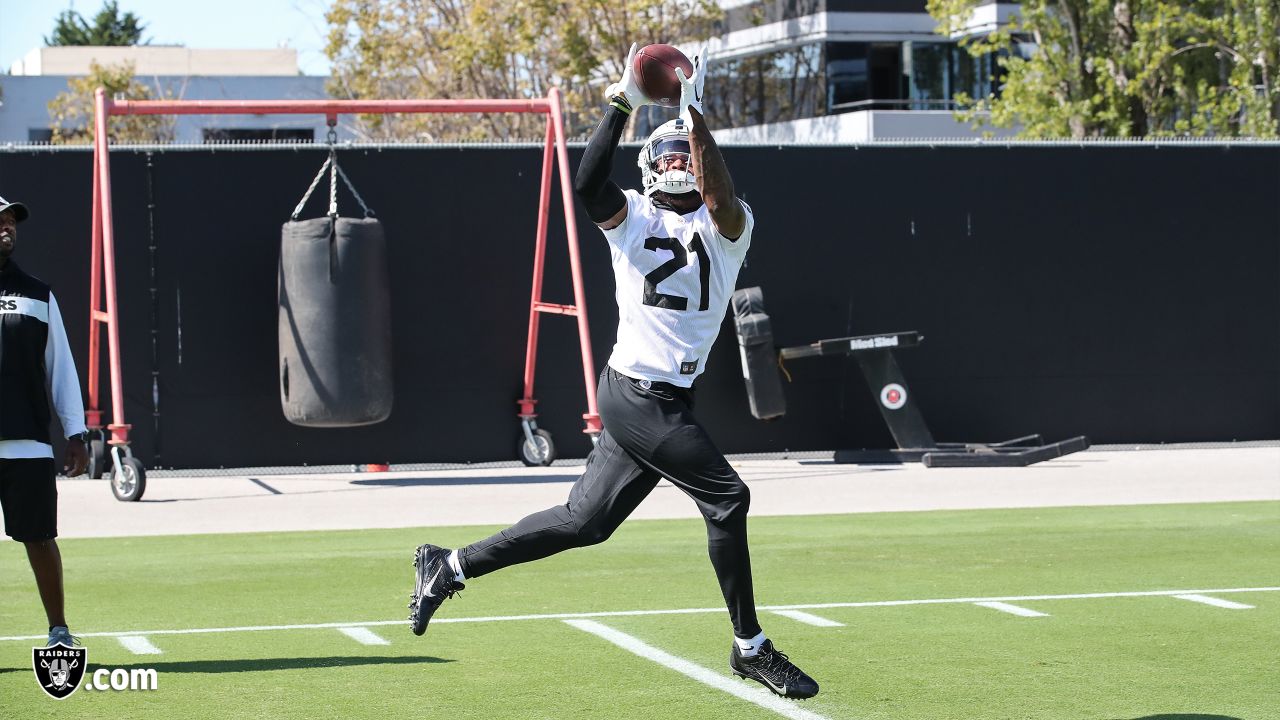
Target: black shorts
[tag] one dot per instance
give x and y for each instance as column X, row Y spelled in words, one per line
column 29, row 498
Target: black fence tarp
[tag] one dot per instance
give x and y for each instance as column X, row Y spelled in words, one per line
column 1130, row 293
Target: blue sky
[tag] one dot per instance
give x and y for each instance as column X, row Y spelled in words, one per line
column 298, row 24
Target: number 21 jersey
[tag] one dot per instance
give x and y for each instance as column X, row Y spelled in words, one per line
column 674, row 275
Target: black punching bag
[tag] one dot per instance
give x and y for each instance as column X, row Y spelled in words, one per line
column 334, row 322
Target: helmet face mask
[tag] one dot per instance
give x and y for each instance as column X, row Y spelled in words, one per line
column 668, row 142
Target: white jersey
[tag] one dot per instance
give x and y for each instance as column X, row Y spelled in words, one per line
column 674, row 276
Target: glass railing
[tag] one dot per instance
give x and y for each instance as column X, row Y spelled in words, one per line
column 893, row 104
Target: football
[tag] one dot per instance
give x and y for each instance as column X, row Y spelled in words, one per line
column 654, row 69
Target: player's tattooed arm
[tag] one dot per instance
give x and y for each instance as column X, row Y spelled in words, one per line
column 714, row 181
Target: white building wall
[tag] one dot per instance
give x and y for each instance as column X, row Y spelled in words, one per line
column 860, row 127
column 26, row 98
column 159, row 60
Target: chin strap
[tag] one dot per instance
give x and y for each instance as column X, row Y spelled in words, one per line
column 659, row 200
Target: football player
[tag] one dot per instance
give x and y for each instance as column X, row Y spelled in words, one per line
column 676, row 249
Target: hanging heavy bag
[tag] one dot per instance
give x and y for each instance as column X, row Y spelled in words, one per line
column 334, row 317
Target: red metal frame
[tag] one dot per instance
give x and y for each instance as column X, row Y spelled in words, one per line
column 102, row 254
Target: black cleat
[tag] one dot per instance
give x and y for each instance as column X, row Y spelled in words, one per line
column 433, row 585
column 773, row 670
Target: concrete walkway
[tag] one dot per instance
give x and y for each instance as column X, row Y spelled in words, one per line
column 229, row 503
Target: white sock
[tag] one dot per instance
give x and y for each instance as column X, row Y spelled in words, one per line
column 750, row 647
column 457, row 567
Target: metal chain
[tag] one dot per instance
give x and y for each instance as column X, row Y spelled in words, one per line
column 367, row 212
column 333, row 182
column 331, row 164
column 298, row 210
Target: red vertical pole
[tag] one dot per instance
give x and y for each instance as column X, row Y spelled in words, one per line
column 592, row 416
column 539, row 261
column 93, row 415
column 119, row 430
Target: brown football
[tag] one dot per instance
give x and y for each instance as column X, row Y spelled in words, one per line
column 654, row 69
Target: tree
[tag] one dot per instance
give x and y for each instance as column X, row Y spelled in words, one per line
column 72, row 112
column 109, row 28
column 1131, row 68
column 1244, row 37
column 450, row 49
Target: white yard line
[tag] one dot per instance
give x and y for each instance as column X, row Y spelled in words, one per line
column 1012, row 609
column 735, row 687
column 681, row 611
column 807, row 618
column 1216, row 602
column 138, row 645
column 363, row 635
column 1020, row 598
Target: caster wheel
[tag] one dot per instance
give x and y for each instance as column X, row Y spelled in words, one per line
column 129, row 481
column 98, row 459
column 541, row 452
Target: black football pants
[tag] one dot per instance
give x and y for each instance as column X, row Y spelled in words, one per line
column 649, row 433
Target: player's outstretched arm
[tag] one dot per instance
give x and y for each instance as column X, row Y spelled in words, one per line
column 605, row 202
column 714, row 182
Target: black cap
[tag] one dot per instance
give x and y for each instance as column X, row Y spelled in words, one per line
column 19, row 210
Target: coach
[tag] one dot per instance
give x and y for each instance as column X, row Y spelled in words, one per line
column 33, row 352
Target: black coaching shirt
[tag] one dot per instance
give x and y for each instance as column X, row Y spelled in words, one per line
column 33, row 352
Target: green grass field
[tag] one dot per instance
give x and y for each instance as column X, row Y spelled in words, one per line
column 1105, row 658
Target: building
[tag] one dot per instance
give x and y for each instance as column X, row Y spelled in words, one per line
column 171, row 72
column 843, row 70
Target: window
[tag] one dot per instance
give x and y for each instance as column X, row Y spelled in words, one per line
column 937, row 71
column 240, row 135
column 846, row 74
column 757, row 89
column 858, row 73
column 40, row 135
column 928, row 74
